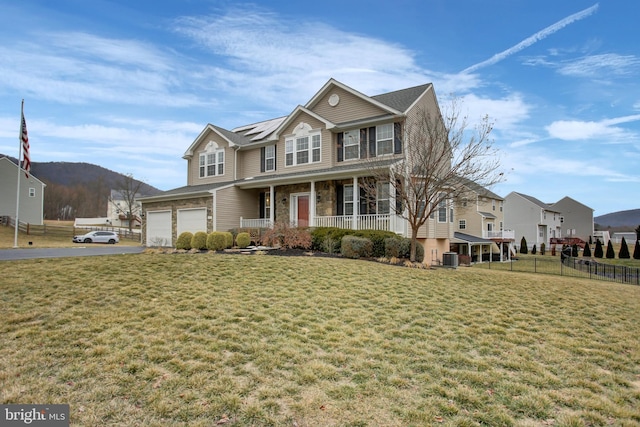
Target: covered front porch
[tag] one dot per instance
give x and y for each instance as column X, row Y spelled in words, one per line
column 337, row 203
column 481, row 249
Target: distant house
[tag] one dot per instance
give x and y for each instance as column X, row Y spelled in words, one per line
column 532, row 219
column 479, row 227
column 117, row 210
column 577, row 219
column 31, row 194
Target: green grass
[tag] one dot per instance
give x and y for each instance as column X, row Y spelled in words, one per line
column 196, row 339
column 57, row 239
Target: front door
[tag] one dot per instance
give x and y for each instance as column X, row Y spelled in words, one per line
column 303, row 211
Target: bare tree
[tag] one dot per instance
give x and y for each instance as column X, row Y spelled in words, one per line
column 442, row 155
column 127, row 192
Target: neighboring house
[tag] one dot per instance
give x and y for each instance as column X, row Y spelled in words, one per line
column 629, row 237
column 577, row 219
column 479, row 225
column 532, row 219
column 304, row 169
column 117, row 210
column 31, row 194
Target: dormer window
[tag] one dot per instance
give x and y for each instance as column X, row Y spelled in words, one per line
column 212, row 161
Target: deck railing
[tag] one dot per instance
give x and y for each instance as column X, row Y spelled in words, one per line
column 500, row 234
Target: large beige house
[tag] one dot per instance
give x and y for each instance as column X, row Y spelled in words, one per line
column 306, row 169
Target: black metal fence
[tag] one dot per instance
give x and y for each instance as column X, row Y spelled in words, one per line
column 570, row 266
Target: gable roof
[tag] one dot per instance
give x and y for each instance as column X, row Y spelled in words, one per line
column 567, row 199
column 478, row 189
column 536, row 202
column 395, row 103
column 31, row 175
column 403, row 99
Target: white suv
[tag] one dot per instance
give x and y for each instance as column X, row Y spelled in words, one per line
column 97, row 237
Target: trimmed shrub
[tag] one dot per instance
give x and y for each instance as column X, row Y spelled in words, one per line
column 610, row 252
column 586, row 252
column 523, row 246
column 543, row 248
column 597, row 252
column 392, row 247
column 377, row 237
column 216, row 241
column 624, row 250
column 356, row 247
column 534, row 250
column 574, row 250
column 243, row 240
column 184, row 240
column 199, row 241
column 328, row 239
column 405, row 249
column 636, row 250
column 228, row 236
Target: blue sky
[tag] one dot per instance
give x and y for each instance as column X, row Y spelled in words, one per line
column 128, row 85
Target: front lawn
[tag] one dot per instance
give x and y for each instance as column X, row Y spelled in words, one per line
column 206, row 339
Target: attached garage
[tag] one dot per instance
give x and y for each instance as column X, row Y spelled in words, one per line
column 192, row 220
column 159, row 228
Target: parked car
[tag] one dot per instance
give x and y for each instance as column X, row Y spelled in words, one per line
column 97, row 237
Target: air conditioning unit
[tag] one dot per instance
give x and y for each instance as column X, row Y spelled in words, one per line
column 450, row 259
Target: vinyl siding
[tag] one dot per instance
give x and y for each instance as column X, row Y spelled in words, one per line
column 325, row 146
column 349, row 108
column 233, row 203
column 193, row 177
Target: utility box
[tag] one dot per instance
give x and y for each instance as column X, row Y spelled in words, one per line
column 450, row 259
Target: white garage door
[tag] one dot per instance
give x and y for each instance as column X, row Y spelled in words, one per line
column 159, row 228
column 192, row 220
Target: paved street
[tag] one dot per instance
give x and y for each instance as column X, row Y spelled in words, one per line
column 82, row 250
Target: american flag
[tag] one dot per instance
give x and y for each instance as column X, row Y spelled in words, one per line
column 24, row 137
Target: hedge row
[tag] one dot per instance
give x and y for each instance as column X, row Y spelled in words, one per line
column 383, row 243
column 214, row 241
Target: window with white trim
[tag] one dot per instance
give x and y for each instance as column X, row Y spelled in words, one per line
column 32, row 192
column 348, row 199
column 352, row 144
column 462, row 224
column 269, row 158
column 382, row 198
column 384, row 139
column 442, row 211
column 211, row 162
column 303, row 146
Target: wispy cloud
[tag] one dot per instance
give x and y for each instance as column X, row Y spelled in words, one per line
column 575, row 130
column 609, row 64
column 533, row 39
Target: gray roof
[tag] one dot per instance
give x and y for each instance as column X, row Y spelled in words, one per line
column 537, row 202
column 402, row 99
column 187, row 190
column 487, row 215
column 480, row 190
column 471, row 239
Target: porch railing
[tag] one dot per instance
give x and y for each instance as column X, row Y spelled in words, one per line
column 255, row 223
column 501, row 234
column 362, row 222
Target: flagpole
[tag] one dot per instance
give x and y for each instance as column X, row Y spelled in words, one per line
column 17, row 223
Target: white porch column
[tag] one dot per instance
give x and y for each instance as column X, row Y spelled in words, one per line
column 356, row 203
column 272, row 204
column 312, row 205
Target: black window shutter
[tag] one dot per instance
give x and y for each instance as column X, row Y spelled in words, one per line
column 275, row 157
column 397, row 140
column 340, row 200
column 339, row 145
column 262, row 159
column 372, row 141
column 262, row 203
column 363, row 143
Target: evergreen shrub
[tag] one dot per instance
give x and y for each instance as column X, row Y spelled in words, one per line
column 184, row 240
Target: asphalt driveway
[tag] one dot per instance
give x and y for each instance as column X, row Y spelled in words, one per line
column 84, row 250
